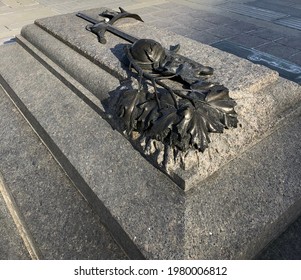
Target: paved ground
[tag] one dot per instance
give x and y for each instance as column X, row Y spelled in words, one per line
column 264, row 31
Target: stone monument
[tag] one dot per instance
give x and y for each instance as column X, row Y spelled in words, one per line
column 179, row 148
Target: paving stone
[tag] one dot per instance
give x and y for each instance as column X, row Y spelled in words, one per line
column 162, row 23
column 11, row 243
column 217, row 19
column 5, row 10
column 3, row 29
column 146, row 10
column 72, row 7
column 205, row 37
column 197, row 24
column 223, row 32
column 248, row 40
column 243, row 26
column 200, row 36
column 278, row 50
column 290, row 22
column 31, row 14
column 293, row 11
column 267, row 34
column 7, row 40
column 148, row 18
column 16, row 26
column 293, row 42
column 180, row 30
column 60, row 220
column 284, row 67
column 296, row 58
column 174, row 7
column 250, row 11
column 52, row 2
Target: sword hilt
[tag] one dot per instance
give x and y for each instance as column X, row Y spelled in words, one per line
column 100, row 27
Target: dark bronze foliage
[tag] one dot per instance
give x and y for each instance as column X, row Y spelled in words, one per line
column 184, row 117
column 182, row 112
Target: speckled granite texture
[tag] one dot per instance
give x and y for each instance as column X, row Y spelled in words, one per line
column 60, row 221
column 259, row 107
column 233, row 214
column 11, row 243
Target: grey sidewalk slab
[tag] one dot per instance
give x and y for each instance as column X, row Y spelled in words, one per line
column 250, row 11
column 292, row 22
column 285, row 68
column 281, row 8
column 59, row 219
column 278, row 50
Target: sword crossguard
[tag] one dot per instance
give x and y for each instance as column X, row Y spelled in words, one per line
column 99, row 29
column 111, row 17
column 114, row 16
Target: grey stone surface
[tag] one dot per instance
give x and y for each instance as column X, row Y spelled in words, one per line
column 293, row 11
column 90, row 75
column 122, row 180
column 243, row 87
column 296, row 58
column 267, row 34
column 170, row 6
column 243, row 78
column 286, row 69
column 293, row 42
column 249, row 40
column 278, row 50
column 261, row 187
column 11, row 243
column 62, row 27
column 231, row 215
column 252, row 128
column 59, row 219
column 286, row 247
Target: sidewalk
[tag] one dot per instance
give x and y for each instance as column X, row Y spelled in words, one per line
column 266, row 32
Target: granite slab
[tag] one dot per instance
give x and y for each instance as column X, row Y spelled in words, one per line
column 233, row 214
column 260, row 107
column 11, row 244
column 61, row 224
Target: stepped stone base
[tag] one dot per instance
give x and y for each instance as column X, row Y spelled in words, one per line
column 12, row 247
column 248, row 200
column 53, row 219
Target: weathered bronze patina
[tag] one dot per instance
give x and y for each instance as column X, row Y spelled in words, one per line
column 180, row 106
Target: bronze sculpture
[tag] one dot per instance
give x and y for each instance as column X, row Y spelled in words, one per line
column 182, row 107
